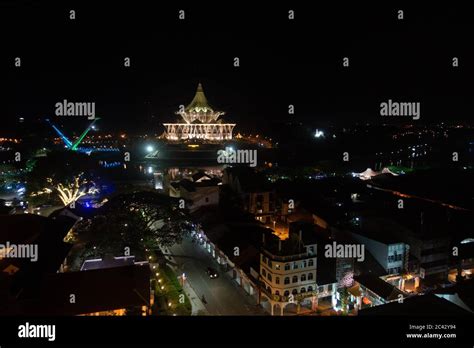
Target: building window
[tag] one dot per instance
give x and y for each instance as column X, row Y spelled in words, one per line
column 277, row 280
column 330, row 287
column 264, row 273
column 310, row 288
column 277, row 293
column 304, row 264
column 311, row 249
column 294, row 292
column 311, row 263
column 207, row 199
column 303, row 277
column 264, row 259
column 270, row 264
column 287, row 280
column 295, row 265
column 286, row 293
column 277, row 266
column 303, row 290
column 321, row 289
column 310, row 276
column 287, row 266
column 269, row 277
column 295, row 279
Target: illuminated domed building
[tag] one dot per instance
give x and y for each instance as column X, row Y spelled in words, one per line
column 199, row 121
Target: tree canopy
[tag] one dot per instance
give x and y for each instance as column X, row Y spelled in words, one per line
column 137, row 221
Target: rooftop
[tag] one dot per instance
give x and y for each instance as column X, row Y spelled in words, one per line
column 108, row 262
column 95, row 290
column 378, row 286
column 191, row 186
column 425, row 305
column 382, row 230
column 294, row 246
column 199, row 102
column 227, row 229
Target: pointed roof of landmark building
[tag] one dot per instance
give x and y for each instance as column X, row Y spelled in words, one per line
column 199, row 102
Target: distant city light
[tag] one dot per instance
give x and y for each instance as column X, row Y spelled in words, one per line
column 318, row 134
column 149, row 148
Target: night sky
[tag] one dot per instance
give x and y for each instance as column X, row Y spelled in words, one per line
column 282, row 62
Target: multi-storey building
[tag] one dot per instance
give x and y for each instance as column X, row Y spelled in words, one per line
column 257, row 197
column 389, row 250
column 288, row 271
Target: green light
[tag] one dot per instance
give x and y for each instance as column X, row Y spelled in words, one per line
column 78, row 141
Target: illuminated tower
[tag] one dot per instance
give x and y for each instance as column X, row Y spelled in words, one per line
column 200, row 122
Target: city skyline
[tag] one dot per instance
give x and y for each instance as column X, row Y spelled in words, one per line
column 305, row 70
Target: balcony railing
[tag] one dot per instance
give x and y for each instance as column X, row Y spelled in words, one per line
column 281, row 298
column 293, row 257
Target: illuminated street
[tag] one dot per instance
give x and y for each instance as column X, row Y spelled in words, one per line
column 223, row 296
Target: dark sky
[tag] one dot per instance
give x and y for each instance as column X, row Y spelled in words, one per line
column 282, row 62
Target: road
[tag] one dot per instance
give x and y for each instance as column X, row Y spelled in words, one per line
column 223, row 295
